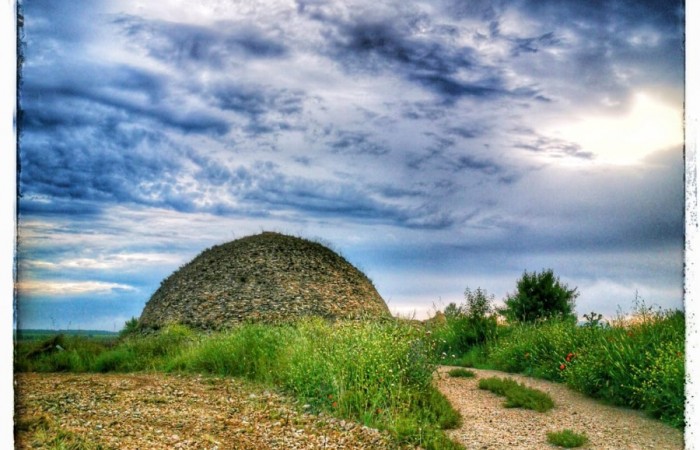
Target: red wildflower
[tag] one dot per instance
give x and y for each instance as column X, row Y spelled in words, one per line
column 335, row 404
column 569, row 357
column 562, row 366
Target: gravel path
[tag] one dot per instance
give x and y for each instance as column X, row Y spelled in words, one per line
column 488, row 425
column 156, row 411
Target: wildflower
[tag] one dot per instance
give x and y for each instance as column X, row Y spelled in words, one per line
column 569, row 357
column 330, row 396
column 379, row 411
column 334, row 404
column 562, row 366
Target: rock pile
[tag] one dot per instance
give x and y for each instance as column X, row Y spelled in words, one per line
column 268, row 277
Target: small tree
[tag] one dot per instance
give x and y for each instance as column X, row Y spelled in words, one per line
column 478, row 309
column 540, row 296
column 477, row 304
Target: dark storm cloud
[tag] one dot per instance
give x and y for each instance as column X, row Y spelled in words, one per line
column 53, row 98
column 469, row 162
column 393, row 44
column 552, row 147
column 98, row 163
column 533, row 45
column 612, row 35
column 58, row 207
column 183, row 44
column 356, row 143
column 256, row 100
column 265, row 109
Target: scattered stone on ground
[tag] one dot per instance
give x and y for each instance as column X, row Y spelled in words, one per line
column 157, row 411
column 489, row 425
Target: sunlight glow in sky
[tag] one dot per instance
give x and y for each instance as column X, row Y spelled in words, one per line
column 437, row 145
column 627, row 138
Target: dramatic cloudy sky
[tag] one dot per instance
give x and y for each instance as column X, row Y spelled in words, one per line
column 437, row 145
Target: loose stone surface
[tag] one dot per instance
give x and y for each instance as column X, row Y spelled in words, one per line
column 156, row 411
column 489, row 425
column 268, row 277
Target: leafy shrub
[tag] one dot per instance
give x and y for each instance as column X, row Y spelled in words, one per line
column 535, row 349
column 540, row 296
column 466, row 325
column 567, row 439
column 517, row 395
column 461, row 373
column 131, row 327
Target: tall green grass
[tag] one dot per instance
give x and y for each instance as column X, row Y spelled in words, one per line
column 379, row 373
column 637, row 363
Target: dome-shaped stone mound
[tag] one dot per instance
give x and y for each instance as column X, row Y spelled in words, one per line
column 268, row 277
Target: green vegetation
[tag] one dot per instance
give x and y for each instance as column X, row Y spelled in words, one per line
column 567, row 439
column 637, row 360
column 517, row 394
column 461, row 373
column 46, row 433
column 540, row 296
column 378, row 373
column 466, row 325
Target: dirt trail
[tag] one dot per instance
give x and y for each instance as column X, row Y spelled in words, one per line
column 157, row 411
column 488, row 425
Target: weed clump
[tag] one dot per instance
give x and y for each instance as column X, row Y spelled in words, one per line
column 517, row 395
column 461, row 373
column 567, row 439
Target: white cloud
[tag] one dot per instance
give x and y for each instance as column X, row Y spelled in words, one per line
column 66, row 288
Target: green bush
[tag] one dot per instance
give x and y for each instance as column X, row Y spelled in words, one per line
column 540, row 296
column 517, row 395
column 466, row 325
column 535, row 349
column 567, row 439
column 131, row 327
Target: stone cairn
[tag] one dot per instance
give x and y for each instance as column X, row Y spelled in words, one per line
column 269, row 277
